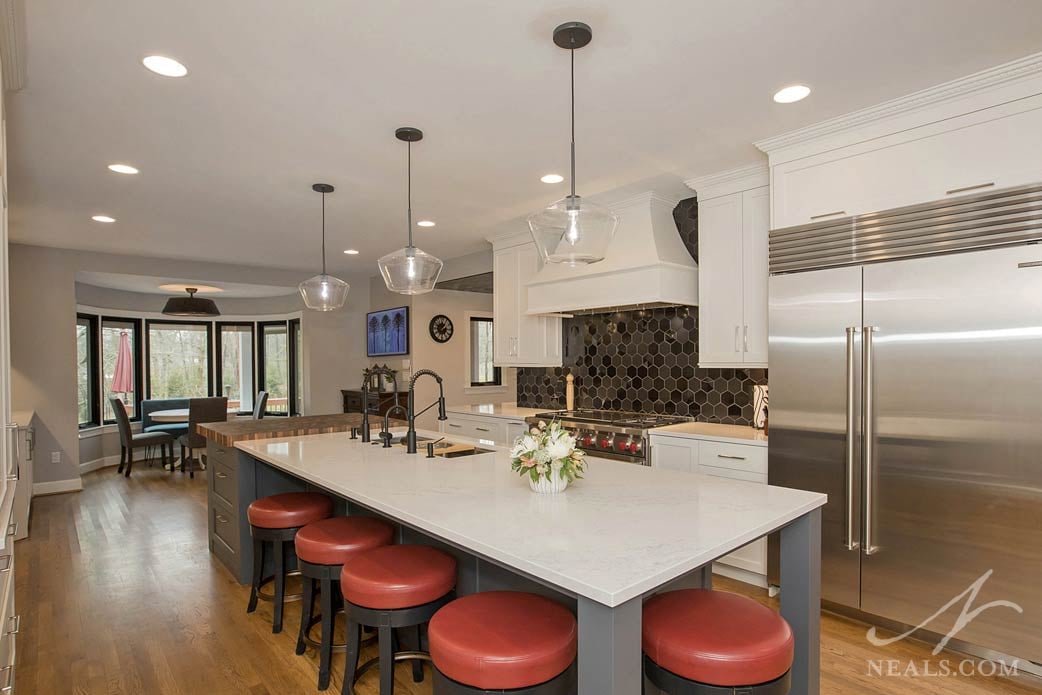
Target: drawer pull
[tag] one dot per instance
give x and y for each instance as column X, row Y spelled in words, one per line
column 221, row 518
column 6, row 566
column 12, row 477
column 9, row 683
column 453, row 424
column 1030, row 264
column 828, row 214
column 730, row 456
column 969, row 188
column 222, row 476
column 482, row 429
column 17, row 620
column 12, row 529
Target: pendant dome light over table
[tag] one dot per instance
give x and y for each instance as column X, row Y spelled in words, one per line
column 324, row 292
column 191, row 305
column 410, row 270
column 573, row 231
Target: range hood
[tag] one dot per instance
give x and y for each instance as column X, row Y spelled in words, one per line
column 647, row 265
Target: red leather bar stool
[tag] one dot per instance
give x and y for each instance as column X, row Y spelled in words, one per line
column 323, row 548
column 392, row 588
column 275, row 520
column 503, row 642
column 703, row 642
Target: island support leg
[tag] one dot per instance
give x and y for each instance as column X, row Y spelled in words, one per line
column 801, row 598
column 609, row 648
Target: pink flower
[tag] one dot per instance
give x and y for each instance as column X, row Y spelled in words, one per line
column 527, row 462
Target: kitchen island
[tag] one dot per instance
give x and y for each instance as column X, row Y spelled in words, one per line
column 619, row 535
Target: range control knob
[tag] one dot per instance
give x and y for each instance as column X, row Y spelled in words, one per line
column 622, row 444
column 604, row 441
column 586, row 439
column 635, row 446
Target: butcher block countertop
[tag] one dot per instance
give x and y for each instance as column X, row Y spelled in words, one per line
column 241, row 430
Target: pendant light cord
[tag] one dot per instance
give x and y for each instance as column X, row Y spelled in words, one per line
column 323, row 233
column 410, row 194
column 571, row 52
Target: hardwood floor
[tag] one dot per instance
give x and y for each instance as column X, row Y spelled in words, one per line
column 118, row 594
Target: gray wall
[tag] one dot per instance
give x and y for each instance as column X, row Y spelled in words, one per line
column 43, row 298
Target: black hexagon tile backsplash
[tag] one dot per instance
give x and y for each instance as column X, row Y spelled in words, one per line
column 643, row 361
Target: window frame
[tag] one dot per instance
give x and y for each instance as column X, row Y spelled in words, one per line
column 217, row 357
column 138, row 376
column 262, row 377
column 295, row 343
column 93, row 372
column 209, row 350
column 473, row 386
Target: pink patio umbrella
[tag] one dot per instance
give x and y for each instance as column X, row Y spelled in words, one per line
column 123, row 374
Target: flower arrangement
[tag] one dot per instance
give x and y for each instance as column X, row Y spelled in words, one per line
column 548, row 458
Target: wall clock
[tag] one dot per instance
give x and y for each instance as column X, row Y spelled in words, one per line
column 441, row 328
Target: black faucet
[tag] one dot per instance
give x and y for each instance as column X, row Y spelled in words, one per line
column 367, row 377
column 385, row 433
column 410, row 436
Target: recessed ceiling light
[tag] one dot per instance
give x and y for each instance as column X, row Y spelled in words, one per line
column 425, row 223
column 167, row 67
column 123, row 169
column 351, row 252
column 103, row 218
column 787, row 95
column 552, row 178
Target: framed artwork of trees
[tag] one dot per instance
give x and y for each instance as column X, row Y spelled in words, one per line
column 387, row 332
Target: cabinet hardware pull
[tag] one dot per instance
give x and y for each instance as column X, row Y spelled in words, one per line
column 745, row 339
column 453, row 424
column 9, row 685
column 17, row 620
column 482, row 429
column 6, row 559
column 12, row 528
column 868, row 435
column 736, row 339
column 12, row 477
column 730, row 456
column 851, row 442
column 223, row 519
column 222, row 476
column 969, row 188
column 1030, row 264
column 828, row 214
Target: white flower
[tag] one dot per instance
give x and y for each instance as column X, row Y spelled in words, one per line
column 523, row 444
column 561, row 447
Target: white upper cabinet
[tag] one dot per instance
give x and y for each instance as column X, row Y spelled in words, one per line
column 733, row 222
column 520, row 340
column 967, row 136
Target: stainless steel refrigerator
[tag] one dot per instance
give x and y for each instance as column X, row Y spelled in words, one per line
column 906, row 383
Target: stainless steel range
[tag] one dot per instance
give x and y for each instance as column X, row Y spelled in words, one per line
column 610, row 434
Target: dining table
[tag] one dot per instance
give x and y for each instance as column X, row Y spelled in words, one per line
column 176, row 415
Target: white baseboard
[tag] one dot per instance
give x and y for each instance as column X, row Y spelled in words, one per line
column 103, row 462
column 740, row 575
column 57, row 486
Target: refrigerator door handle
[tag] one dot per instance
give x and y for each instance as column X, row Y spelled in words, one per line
column 868, row 433
column 850, row 542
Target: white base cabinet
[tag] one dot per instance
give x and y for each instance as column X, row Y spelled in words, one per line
column 518, row 339
column 492, row 429
column 722, row 460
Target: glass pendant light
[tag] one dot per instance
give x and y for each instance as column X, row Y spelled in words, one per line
column 573, row 231
column 324, row 292
column 410, row 270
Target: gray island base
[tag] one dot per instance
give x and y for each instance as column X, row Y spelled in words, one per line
column 622, row 534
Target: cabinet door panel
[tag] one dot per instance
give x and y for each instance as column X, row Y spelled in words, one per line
column 720, row 280
column 756, row 223
column 531, row 330
column 674, row 454
column 504, row 304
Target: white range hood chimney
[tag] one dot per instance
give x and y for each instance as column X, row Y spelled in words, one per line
column 646, row 265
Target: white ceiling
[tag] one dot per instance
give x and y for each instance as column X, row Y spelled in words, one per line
column 283, row 94
column 151, row 285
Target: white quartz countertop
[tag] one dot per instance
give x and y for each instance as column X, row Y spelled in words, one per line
column 505, row 411
column 617, row 534
column 737, row 434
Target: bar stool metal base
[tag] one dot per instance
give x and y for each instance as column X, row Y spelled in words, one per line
column 386, row 621
column 672, row 684
column 282, row 541
column 564, row 684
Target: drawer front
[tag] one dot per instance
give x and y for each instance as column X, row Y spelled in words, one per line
column 353, row 403
column 477, row 428
column 737, row 457
column 225, row 525
column 218, row 453
column 225, row 483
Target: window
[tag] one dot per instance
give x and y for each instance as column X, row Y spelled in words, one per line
column 296, row 354
column 178, row 359
column 87, row 369
column 235, row 365
column 482, row 371
column 125, row 382
column 274, row 366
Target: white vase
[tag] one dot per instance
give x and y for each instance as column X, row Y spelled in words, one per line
column 550, row 484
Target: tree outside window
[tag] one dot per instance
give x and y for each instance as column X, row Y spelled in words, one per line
column 178, row 360
column 482, row 371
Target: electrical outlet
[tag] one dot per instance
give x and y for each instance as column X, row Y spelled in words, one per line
column 56, row 457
